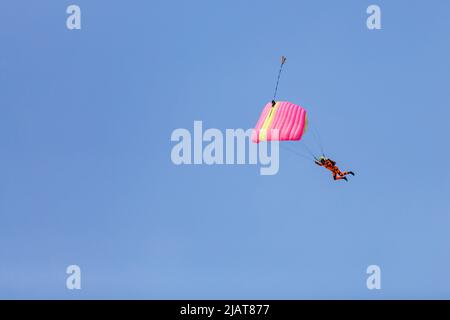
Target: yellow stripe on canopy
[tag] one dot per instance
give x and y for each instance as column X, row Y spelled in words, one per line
column 268, row 123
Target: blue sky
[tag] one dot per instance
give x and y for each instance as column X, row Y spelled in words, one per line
column 86, row 176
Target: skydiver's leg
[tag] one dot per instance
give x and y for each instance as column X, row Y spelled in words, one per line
column 339, row 177
column 346, row 173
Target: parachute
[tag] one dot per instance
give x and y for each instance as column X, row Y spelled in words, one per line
column 281, row 120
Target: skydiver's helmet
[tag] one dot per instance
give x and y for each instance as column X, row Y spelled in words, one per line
column 322, row 159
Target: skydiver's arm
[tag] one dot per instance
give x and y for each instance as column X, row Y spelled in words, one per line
column 318, row 163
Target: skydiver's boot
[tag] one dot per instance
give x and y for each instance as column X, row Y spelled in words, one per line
column 351, row 172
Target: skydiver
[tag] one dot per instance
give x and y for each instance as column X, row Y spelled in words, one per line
column 331, row 165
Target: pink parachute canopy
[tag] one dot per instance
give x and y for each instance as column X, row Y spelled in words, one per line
column 285, row 118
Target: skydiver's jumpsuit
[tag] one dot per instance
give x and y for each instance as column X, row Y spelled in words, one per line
column 331, row 165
